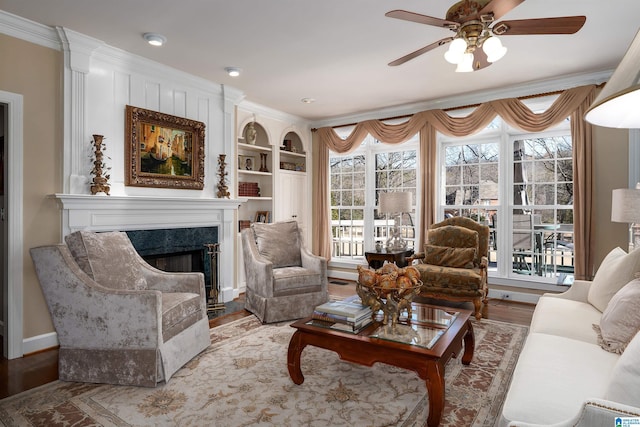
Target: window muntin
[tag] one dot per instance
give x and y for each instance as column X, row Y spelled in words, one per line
column 348, row 180
column 356, row 180
column 501, row 172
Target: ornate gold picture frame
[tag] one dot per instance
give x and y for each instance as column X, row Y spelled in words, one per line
column 163, row 151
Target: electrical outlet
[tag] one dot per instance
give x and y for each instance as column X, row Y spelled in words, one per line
column 506, row 295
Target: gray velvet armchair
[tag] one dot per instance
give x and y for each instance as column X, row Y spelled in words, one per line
column 118, row 319
column 284, row 280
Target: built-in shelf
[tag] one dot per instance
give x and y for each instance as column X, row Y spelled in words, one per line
column 250, row 147
column 246, row 172
column 292, row 154
column 258, row 198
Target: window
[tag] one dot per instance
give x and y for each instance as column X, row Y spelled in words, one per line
column 348, row 182
column 357, row 179
column 521, row 186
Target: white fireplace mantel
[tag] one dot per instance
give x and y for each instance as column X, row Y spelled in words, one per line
column 105, row 213
column 121, row 213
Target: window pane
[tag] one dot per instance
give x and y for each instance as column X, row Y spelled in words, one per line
column 353, row 202
column 540, row 184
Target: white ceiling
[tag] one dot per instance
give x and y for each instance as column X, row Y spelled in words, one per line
column 337, row 51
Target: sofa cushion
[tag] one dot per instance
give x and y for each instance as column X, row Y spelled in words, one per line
column 449, row 257
column 623, row 385
column 109, row 258
column 468, row 279
column 550, row 317
column 279, row 243
column 553, row 376
column 617, row 269
column 621, row 319
column 179, row 311
column 295, row 280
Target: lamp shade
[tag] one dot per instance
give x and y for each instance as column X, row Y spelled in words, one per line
column 466, row 63
column 494, row 49
column 395, row 202
column 617, row 104
column 625, row 205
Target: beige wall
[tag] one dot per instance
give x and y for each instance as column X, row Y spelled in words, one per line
column 611, row 170
column 35, row 73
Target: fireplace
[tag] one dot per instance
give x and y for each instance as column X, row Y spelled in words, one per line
column 150, row 213
column 177, row 249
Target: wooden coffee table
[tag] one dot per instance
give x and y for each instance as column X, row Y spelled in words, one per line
column 423, row 347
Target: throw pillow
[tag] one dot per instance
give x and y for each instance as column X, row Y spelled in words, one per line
column 621, row 319
column 617, row 269
column 625, row 377
column 453, row 236
column 78, row 250
column 449, row 257
column 278, row 242
column 112, row 259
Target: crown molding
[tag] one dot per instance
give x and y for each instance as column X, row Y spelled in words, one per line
column 34, row 32
column 473, row 98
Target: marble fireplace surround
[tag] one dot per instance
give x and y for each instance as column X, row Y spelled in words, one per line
column 127, row 213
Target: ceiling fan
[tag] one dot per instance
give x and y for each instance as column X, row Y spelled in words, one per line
column 475, row 44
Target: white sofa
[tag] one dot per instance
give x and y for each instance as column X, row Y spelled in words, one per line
column 564, row 376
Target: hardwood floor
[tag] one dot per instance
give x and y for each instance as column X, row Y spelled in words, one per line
column 40, row 368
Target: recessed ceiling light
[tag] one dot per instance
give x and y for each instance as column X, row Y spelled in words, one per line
column 154, row 39
column 308, row 100
column 233, row 71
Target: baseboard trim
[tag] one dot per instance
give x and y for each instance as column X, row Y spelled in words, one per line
column 39, row 343
column 514, row 296
column 526, row 297
column 337, row 274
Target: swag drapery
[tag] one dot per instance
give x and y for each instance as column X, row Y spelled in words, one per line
column 572, row 102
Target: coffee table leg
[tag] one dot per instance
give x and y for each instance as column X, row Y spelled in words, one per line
column 293, row 358
column 435, row 390
column 469, row 344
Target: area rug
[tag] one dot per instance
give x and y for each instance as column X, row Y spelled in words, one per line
column 242, row 380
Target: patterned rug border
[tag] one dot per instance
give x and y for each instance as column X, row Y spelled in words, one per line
column 227, row 333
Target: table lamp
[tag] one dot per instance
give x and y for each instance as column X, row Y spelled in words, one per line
column 625, row 207
column 395, row 204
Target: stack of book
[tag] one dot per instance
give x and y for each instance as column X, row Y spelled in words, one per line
column 347, row 315
column 248, row 189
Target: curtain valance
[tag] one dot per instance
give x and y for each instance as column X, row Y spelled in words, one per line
column 512, row 110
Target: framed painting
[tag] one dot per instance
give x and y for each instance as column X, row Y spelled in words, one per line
column 163, row 151
column 262, row 216
column 246, row 162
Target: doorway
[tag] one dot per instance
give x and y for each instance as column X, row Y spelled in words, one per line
column 11, row 220
column 3, row 296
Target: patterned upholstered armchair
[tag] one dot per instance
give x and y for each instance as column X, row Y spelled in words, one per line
column 284, row 280
column 118, row 319
column 454, row 263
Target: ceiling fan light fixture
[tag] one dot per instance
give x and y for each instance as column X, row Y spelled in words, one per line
column 494, row 49
column 466, row 64
column 456, row 51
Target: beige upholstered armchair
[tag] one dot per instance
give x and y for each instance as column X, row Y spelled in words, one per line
column 284, row 280
column 119, row 320
column 454, row 263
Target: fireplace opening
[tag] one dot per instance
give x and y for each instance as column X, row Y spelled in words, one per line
column 181, row 262
column 178, row 250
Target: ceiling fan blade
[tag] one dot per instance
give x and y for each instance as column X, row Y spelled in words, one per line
column 561, row 25
column 499, row 7
column 421, row 19
column 480, row 60
column 420, row 51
